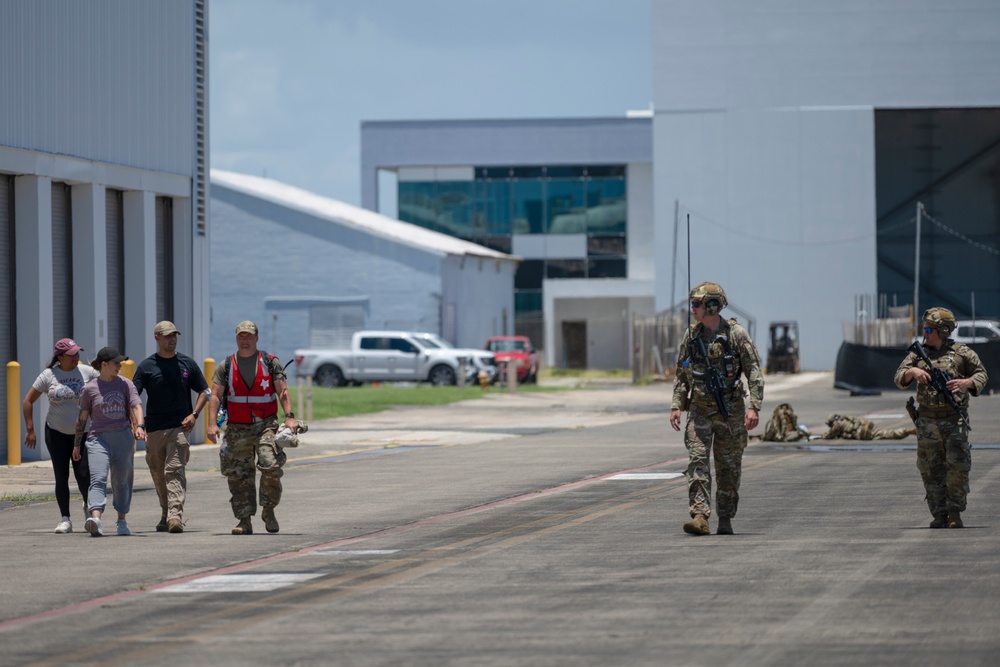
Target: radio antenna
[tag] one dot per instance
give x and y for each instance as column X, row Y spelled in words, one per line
column 687, row 304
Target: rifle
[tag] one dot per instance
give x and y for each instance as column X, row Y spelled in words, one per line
column 713, row 378
column 939, row 381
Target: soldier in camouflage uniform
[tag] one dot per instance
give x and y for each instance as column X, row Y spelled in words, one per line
column 253, row 383
column 731, row 352
column 944, row 457
column 783, row 426
column 846, row 427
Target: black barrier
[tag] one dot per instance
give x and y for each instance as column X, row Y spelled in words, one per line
column 865, row 370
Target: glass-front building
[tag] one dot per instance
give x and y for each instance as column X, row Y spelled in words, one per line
column 499, row 203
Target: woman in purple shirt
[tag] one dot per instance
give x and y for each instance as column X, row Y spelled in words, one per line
column 112, row 404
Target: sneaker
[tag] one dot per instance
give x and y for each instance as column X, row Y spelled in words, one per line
column 175, row 526
column 93, row 526
column 123, row 528
column 65, row 526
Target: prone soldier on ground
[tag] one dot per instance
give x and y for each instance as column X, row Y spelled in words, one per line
column 783, row 426
column 846, row 427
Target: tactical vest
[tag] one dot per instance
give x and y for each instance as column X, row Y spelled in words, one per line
column 723, row 357
column 247, row 405
column 931, row 402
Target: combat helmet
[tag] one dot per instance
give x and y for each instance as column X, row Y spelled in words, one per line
column 712, row 295
column 832, row 418
column 941, row 319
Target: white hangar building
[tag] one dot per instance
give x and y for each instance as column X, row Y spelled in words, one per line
column 311, row 270
column 800, row 136
column 103, row 167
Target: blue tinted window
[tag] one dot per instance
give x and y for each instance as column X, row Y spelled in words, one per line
column 526, row 301
column 566, row 268
column 565, row 212
column 529, row 274
column 606, row 245
column 494, row 205
column 416, row 204
column 527, row 205
column 455, row 205
column 606, row 207
column 607, row 268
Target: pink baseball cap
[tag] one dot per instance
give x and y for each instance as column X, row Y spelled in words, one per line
column 66, row 346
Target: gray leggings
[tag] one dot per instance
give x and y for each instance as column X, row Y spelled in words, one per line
column 112, row 451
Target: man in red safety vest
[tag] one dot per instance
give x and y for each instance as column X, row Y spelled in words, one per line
column 252, row 383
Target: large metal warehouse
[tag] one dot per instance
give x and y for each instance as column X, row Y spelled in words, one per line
column 800, row 137
column 103, row 158
column 311, row 270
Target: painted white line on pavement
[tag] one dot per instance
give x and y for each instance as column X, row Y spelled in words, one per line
column 239, row 583
column 355, row 552
column 645, row 475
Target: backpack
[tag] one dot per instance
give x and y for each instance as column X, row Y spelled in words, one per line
column 783, row 426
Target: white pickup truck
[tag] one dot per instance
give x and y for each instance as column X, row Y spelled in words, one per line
column 393, row 356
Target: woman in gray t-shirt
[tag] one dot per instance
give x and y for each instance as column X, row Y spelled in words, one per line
column 61, row 382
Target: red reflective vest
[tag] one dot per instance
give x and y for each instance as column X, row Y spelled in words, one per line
column 243, row 402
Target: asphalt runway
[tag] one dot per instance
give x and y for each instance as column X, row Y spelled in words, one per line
column 537, row 529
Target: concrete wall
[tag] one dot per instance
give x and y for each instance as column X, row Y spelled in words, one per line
column 763, row 132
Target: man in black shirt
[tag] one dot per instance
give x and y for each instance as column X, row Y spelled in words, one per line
column 169, row 377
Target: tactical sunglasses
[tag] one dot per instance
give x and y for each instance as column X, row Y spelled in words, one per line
column 928, row 330
column 696, row 304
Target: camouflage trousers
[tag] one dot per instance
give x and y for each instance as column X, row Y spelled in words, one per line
column 708, row 434
column 244, row 444
column 891, row 434
column 944, row 459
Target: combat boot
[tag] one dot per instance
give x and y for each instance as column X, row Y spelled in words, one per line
column 955, row 520
column 940, row 521
column 697, row 525
column 270, row 523
column 725, row 526
column 174, row 525
column 244, row 527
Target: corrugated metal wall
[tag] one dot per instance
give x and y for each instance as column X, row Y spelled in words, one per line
column 91, row 85
column 7, row 318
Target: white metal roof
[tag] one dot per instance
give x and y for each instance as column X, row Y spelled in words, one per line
column 341, row 213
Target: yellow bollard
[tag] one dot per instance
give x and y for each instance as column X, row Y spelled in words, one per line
column 13, row 414
column 128, row 369
column 209, row 372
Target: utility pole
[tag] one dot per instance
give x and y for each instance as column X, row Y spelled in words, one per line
column 916, row 274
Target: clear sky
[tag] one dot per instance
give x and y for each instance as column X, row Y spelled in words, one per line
column 291, row 80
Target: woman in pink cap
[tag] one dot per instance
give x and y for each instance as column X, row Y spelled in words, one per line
column 61, row 381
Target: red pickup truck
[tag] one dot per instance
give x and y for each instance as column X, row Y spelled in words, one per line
column 518, row 349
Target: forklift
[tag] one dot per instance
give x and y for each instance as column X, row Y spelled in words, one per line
column 783, row 354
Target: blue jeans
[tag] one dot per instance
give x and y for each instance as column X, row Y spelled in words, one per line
column 112, row 451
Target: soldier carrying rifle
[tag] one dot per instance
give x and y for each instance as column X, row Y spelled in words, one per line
column 946, row 373
column 713, row 354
